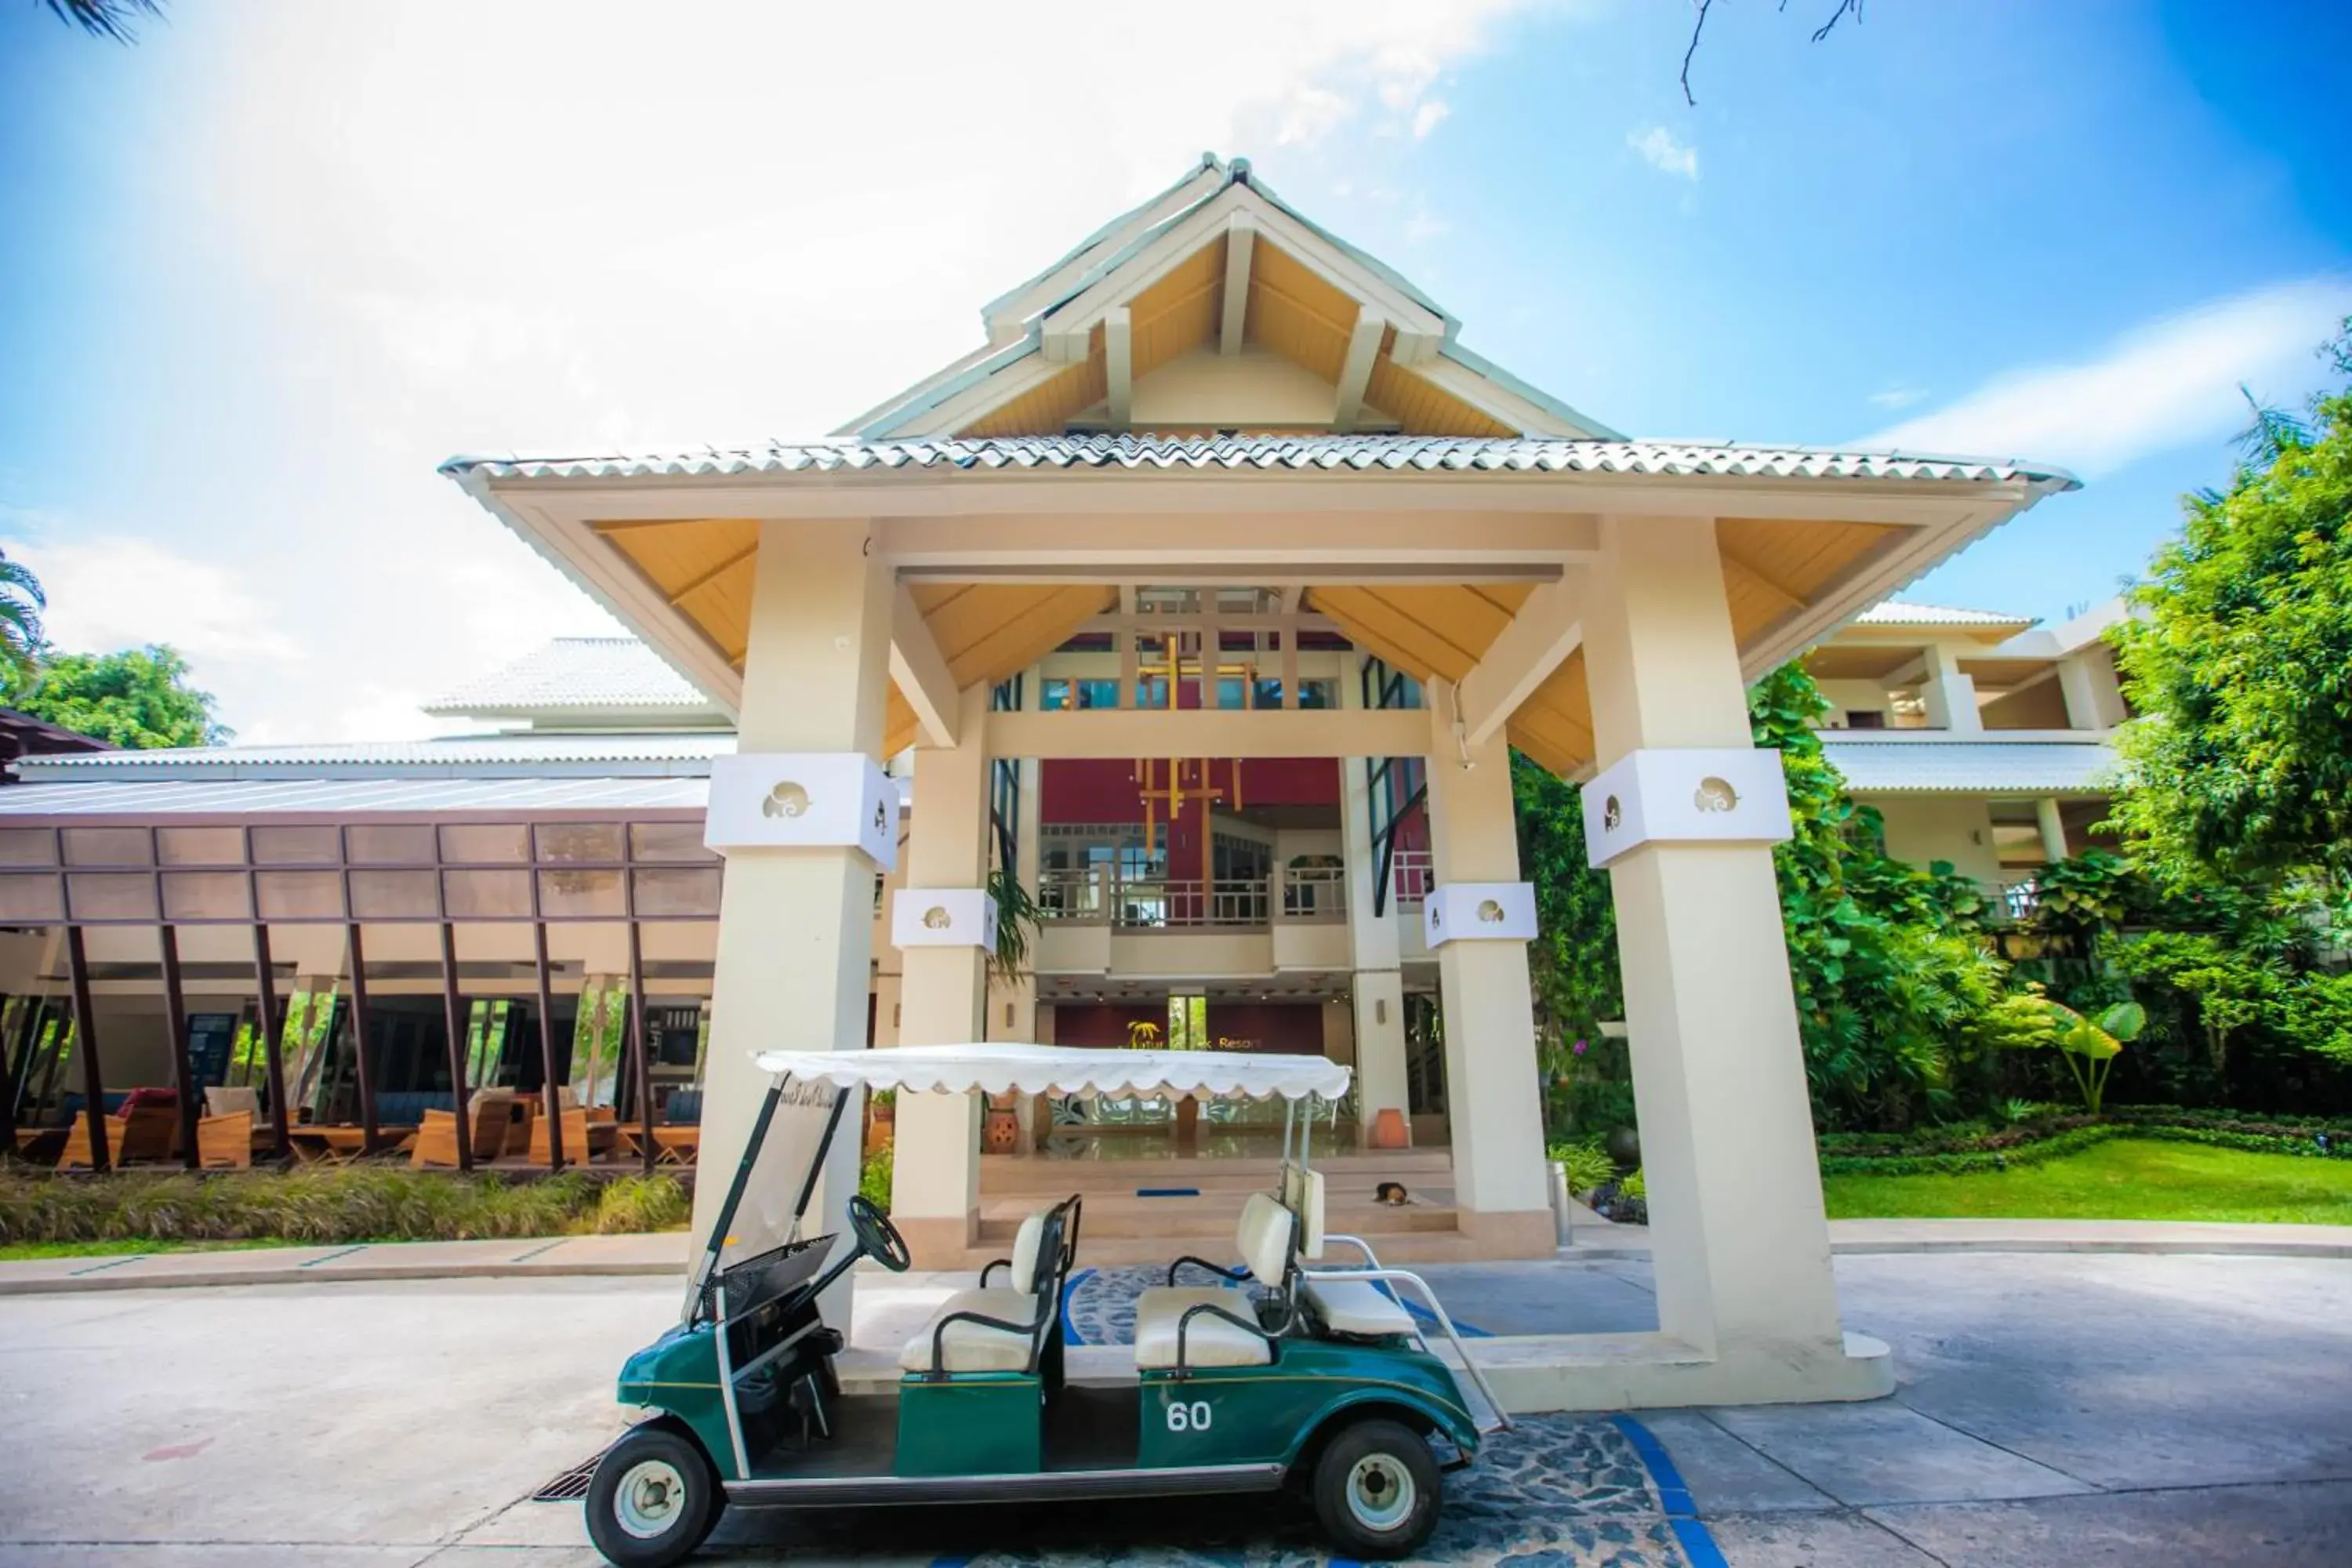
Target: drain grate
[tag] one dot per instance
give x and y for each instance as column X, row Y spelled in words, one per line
column 573, row 1484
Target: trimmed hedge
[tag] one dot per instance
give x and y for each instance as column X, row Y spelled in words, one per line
column 347, row 1203
column 1962, row 1148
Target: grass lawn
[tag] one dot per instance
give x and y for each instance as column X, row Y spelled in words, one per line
column 15, row 1251
column 2124, row 1178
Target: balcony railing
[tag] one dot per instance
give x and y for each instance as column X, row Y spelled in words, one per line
column 1099, row 897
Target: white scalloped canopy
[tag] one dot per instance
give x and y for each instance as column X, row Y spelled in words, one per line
column 1002, row 1066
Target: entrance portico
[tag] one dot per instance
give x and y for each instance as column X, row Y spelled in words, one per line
column 1541, row 585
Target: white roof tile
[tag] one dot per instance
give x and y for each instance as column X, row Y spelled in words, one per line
column 576, row 674
column 1971, row 767
column 182, row 798
column 456, row 757
column 1305, row 453
column 1904, row 612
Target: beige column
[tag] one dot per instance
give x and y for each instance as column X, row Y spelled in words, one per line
column 2046, row 817
column 935, row 1179
column 1949, row 695
column 1013, row 998
column 794, row 952
column 1377, row 991
column 1491, row 1099
column 2094, row 697
column 1738, row 1237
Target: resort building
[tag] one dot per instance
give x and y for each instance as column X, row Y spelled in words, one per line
column 1204, row 602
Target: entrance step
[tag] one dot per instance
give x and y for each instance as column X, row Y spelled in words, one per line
column 1008, row 1173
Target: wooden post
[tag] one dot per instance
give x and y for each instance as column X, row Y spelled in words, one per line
column 175, row 1018
column 93, row 1084
column 551, row 1103
column 641, row 1049
column 9, row 1069
column 361, row 1047
column 273, row 1029
column 453, row 1013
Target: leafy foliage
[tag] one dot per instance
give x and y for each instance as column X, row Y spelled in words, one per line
column 1572, row 964
column 137, row 699
column 111, row 19
column 2089, row 1046
column 21, row 603
column 2240, row 765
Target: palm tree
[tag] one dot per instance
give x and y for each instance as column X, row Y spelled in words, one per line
column 21, row 603
column 106, row 18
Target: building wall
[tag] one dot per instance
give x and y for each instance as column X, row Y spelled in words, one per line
column 1925, row 828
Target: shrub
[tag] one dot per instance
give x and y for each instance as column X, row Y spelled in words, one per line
column 873, row 1176
column 1585, row 1164
column 343, row 1204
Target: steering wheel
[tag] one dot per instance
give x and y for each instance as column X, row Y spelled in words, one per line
column 877, row 1237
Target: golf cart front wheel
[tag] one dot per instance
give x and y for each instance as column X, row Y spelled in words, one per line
column 652, row 1500
column 1377, row 1490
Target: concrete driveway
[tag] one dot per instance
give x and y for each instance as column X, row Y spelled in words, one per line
column 2055, row 1408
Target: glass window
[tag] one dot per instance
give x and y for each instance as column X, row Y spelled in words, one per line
column 394, row 895
column 574, row 894
column 1098, row 694
column 1229, row 692
column 484, row 843
column 1268, row 693
column 668, row 841
column 31, row 898
column 206, row 896
column 1321, row 692
column 298, row 894
column 391, row 844
column 200, row 845
column 27, row 847
column 1053, row 693
column 588, row 841
column 295, row 847
column 1151, row 691
column 108, row 847
column 691, row 890
column 487, row 895
column 93, row 895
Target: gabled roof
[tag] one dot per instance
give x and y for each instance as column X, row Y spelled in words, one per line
column 1906, row 613
column 573, row 678
column 456, row 757
column 1211, row 223
column 1423, row 454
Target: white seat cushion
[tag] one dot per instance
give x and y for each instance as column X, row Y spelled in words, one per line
column 1357, row 1306
column 1209, row 1342
column 976, row 1347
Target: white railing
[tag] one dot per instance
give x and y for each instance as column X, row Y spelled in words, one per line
column 1317, row 894
column 1162, row 902
column 1076, row 896
column 1411, row 873
column 1097, row 896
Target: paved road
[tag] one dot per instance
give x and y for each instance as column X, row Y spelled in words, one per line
column 2055, row 1409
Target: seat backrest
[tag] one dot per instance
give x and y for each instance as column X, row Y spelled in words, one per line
column 1304, row 1193
column 1028, row 1246
column 221, row 1101
column 1266, row 1230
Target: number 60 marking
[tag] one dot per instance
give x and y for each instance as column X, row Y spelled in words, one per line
column 1192, row 1417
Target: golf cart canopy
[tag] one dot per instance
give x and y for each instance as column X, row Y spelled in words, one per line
column 1003, row 1068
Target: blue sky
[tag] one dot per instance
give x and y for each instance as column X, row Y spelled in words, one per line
column 269, row 267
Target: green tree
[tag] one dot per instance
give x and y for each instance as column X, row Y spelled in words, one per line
column 1572, row 962
column 21, row 603
column 2240, row 766
column 106, row 18
column 137, row 699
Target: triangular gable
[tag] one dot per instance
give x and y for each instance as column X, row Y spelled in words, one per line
column 1219, row 263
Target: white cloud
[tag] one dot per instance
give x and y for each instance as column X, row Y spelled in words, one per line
column 1894, row 397
column 2165, row 384
column 1429, row 116
column 109, row 593
column 1659, row 149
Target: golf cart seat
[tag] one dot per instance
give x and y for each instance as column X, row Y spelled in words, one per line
column 998, row 1328
column 1183, row 1325
column 1356, row 1307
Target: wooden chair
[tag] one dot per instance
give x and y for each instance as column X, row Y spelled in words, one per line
column 76, row 1156
column 148, row 1132
column 225, row 1143
column 576, row 1137
column 436, row 1141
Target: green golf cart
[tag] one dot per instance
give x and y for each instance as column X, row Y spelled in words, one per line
column 1244, row 1380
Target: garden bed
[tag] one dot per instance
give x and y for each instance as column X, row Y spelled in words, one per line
column 349, row 1203
column 2124, row 1176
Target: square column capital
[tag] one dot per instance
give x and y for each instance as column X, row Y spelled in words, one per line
column 1478, row 912
column 803, row 800
column 943, row 917
column 1685, row 794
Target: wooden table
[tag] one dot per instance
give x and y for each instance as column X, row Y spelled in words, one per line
column 677, row 1145
column 340, row 1145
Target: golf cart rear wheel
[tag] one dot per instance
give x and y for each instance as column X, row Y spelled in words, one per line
column 653, row 1499
column 1377, row 1491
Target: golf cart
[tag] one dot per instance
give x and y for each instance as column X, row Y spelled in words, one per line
column 1316, row 1376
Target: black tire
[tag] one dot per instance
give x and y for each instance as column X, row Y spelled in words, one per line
column 653, row 1499
column 1377, row 1491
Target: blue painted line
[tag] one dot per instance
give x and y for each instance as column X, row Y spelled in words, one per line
column 1070, row 1334
column 1167, row 1191
column 1467, row 1331
column 1682, row 1516
column 331, row 1256
column 102, row 1267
